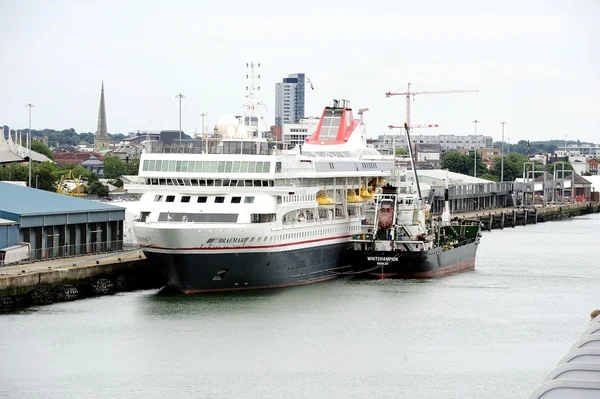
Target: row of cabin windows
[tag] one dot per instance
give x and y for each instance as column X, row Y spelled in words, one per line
column 369, row 165
column 303, row 234
column 210, row 182
column 206, row 166
column 203, row 199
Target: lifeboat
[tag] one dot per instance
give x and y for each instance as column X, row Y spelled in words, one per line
column 353, row 199
column 324, row 200
column 366, row 194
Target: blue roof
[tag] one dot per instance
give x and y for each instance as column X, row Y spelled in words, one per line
column 21, row 200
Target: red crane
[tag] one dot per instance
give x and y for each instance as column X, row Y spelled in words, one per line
column 409, row 93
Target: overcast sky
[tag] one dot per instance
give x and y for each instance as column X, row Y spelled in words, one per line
column 536, row 64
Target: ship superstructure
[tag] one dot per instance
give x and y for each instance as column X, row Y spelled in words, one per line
column 241, row 214
column 400, row 238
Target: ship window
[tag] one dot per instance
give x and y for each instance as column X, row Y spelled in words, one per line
column 219, row 200
column 266, row 167
column 184, row 166
column 145, row 167
column 158, row 166
column 170, row 198
column 277, row 167
column 221, row 168
column 158, row 198
column 185, row 198
column 236, row 200
column 195, row 166
column 205, row 166
column 259, row 166
column 213, row 167
column 251, row 166
column 201, row 200
column 236, row 167
column 244, row 167
column 228, row 166
column 151, row 165
column 248, row 200
column 178, row 166
column 165, row 166
column 171, row 166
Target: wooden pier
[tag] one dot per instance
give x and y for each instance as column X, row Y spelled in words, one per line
column 512, row 217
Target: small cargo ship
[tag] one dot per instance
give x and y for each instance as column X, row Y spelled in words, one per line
column 400, row 239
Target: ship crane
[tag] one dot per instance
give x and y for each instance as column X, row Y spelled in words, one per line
column 361, row 111
column 409, row 93
column 421, row 126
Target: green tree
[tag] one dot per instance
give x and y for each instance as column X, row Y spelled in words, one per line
column 133, row 167
column 45, row 175
column 114, row 168
column 41, row 148
column 399, row 151
column 97, row 188
column 117, row 183
column 559, row 166
column 77, row 171
column 16, row 172
column 490, row 177
column 456, row 161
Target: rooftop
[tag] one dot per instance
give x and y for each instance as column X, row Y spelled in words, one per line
column 30, row 201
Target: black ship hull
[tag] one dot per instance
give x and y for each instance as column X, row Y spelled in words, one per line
column 421, row 264
column 204, row 271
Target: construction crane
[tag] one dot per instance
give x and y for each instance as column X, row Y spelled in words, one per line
column 409, row 93
column 361, row 111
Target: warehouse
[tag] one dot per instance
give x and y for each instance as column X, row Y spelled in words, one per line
column 57, row 225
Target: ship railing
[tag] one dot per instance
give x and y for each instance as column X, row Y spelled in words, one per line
column 317, row 222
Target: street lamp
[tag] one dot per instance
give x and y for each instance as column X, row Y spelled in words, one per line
column 29, row 141
column 502, row 155
column 180, row 96
column 203, row 115
column 475, row 122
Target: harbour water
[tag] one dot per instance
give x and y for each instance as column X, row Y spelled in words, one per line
column 495, row 332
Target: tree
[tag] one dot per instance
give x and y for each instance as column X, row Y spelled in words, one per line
column 458, row 162
column 559, row 166
column 133, row 167
column 97, row 188
column 490, row 177
column 44, row 176
column 399, row 151
column 77, row 171
column 16, row 172
column 41, row 148
column 114, row 168
column 513, row 166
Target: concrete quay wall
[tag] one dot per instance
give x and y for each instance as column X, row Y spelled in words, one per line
column 43, row 283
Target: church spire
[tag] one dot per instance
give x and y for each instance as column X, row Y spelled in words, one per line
column 101, row 139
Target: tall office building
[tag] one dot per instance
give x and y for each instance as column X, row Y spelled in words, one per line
column 289, row 99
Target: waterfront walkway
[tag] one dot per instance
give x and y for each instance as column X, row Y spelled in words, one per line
column 74, row 262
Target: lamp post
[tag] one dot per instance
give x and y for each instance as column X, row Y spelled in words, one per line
column 180, row 96
column 502, row 155
column 475, row 122
column 29, row 141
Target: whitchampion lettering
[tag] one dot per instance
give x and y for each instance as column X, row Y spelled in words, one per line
column 381, row 258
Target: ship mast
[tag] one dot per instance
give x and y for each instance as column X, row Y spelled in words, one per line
column 412, row 161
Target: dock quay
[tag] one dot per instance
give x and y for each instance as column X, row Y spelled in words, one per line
column 66, row 279
column 511, row 217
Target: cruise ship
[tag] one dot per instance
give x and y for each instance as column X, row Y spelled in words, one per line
column 241, row 213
